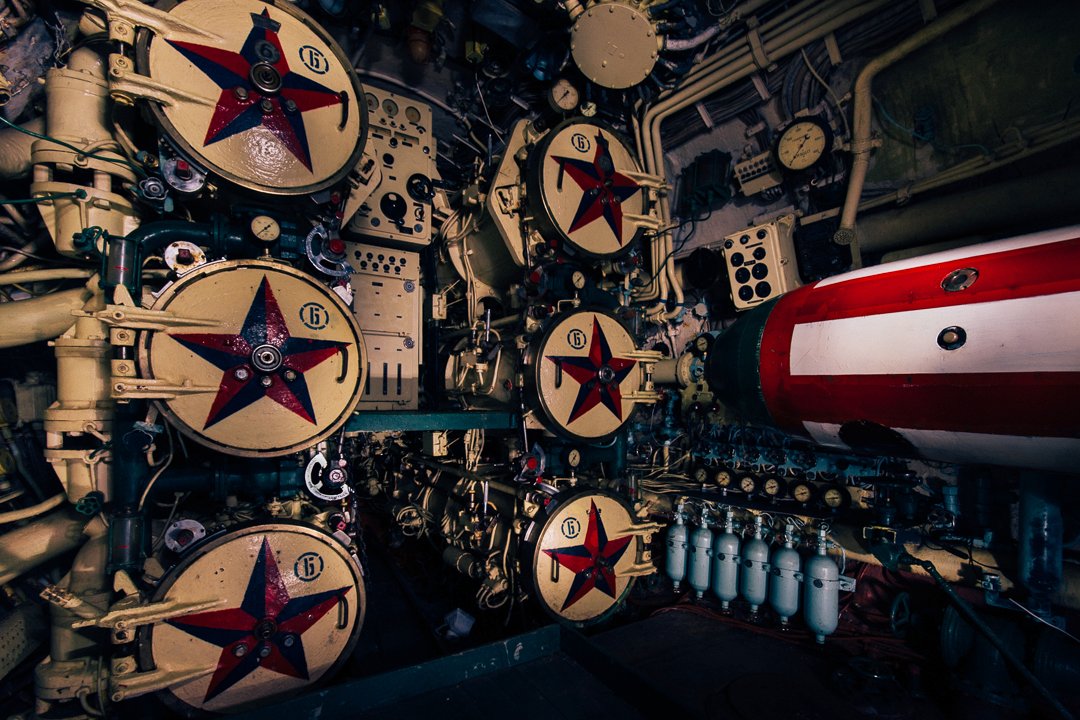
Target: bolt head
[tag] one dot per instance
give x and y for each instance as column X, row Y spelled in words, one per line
column 240, row 650
column 266, row 381
column 241, row 373
column 266, row 106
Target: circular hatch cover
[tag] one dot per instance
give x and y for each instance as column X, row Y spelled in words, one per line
column 585, row 375
column 291, row 607
column 580, row 555
column 283, row 365
column 578, row 172
column 263, row 97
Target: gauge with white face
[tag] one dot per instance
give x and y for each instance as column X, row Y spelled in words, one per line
column 803, row 144
column 563, row 96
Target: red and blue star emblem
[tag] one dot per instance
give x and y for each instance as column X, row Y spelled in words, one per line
column 599, row 375
column 258, row 88
column 266, row 631
column 262, row 360
column 604, row 189
column 593, row 562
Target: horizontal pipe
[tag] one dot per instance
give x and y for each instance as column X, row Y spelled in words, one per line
column 32, row 511
column 960, row 570
column 861, row 142
column 24, row 548
column 15, row 149
column 41, row 318
column 29, row 276
column 1053, row 197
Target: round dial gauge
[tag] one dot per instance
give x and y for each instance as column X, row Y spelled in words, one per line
column 771, row 487
column 803, row 144
column 835, row 497
column 802, row 492
column 265, row 228
column 588, row 108
column 723, row 478
column 702, row 343
column 747, row 484
column 701, row 475
column 573, row 458
column 563, row 96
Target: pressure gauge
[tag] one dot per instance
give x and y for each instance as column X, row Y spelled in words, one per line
column 588, row 109
column 835, row 497
column 723, row 478
column 803, row 144
column 802, row 492
column 772, row 487
column 573, row 457
column 578, row 280
column 702, row 343
column 748, row 484
column 701, row 475
column 563, row 96
column 265, row 228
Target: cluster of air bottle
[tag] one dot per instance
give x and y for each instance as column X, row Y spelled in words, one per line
column 743, row 565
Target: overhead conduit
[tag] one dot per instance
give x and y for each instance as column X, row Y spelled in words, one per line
column 775, row 39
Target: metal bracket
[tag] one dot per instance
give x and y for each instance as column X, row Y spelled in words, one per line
column 129, row 618
column 136, row 318
column 639, row 570
column 131, row 388
column 126, row 86
column 655, row 182
column 124, row 16
column 847, row 584
column 129, row 685
column 757, row 48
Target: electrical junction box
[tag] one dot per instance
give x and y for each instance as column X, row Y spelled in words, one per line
column 400, row 138
column 757, row 174
column 388, row 302
column 761, row 263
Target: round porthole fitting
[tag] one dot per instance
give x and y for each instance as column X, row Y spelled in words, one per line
column 952, row 337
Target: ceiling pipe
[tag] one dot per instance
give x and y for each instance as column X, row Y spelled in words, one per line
column 781, row 36
column 862, row 143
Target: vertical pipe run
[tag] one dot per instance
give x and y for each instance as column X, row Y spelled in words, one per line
column 1040, row 539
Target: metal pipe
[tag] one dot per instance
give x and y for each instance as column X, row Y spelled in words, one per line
column 461, row 473
column 24, row 548
column 956, row 569
column 40, row 318
column 713, row 76
column 893, row 557
column 1051, row 196
column 861, row 142
column 682, row 44
column 29, row 276
column 1041, row 539
column 15, row 149
column 32, row 511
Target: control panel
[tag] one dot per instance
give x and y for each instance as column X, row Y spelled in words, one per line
column 760, row 262
column 399, row 137
column 387, row 306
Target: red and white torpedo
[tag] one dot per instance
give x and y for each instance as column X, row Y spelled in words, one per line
column 965, row 356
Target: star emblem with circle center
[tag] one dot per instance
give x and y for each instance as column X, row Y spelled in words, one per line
column 263, row 360
column 598, row 374
column 259, row 89
column 593, row 561
column 603, row 188
column 266, row 631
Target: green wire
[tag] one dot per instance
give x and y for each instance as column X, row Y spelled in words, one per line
column 80, row 193
column 87, row 153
